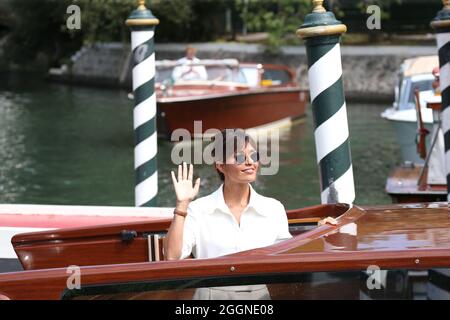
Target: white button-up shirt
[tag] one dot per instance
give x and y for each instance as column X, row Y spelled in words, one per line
column 211, row 230
column 185, row 70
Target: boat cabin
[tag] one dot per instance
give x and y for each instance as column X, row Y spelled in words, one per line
column 225, row 71
column 414, row 74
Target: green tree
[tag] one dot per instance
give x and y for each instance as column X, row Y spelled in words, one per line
column 104, row 20
column 35, row 31
column 280, row 18
column 38, row 28
column 385, row 5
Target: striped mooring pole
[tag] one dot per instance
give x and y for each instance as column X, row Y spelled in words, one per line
column 321, row 32
column 441, row 24
column 142, row 24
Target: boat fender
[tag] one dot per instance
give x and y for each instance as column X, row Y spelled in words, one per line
column 128, row 235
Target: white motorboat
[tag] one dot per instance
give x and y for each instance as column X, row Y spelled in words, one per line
column 414, row 74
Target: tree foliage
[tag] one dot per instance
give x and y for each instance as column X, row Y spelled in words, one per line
column 280, row 18
column 35, row 30
column 104, row 20
column 38, row 27
column 362, row 5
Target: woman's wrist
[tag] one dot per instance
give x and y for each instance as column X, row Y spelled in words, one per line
column 182, row 205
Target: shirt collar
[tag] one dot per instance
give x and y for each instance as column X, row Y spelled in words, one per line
column 254, row 202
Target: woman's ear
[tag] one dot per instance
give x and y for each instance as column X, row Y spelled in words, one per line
column 219, row 166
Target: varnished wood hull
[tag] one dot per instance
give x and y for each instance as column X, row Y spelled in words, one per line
column 400, row 237
column 99, row 245
column 243, row 109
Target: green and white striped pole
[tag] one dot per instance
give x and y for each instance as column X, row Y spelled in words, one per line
column 442, row 26
column 321, row 32
column 142, row 24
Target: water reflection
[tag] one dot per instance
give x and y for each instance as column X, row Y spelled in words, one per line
column 14, row 156
column 343, row 239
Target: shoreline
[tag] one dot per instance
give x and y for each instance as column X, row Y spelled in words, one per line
column 369, row 71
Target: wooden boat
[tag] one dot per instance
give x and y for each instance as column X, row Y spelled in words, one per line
column 396, row 252
column 15, row 219
column 234, row 95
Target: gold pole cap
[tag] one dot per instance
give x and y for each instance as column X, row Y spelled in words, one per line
column 318, row 6
column 141, row 5
column 142, row 17
column 320, row 22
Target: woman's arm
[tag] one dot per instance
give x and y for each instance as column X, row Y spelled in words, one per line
column 185, row 193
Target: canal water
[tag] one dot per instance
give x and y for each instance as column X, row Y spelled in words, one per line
column 74, row 146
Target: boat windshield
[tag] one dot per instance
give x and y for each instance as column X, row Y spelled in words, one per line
column 407, row 100
column 243, row 75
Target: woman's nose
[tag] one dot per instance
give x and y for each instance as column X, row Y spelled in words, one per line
column 248, row 159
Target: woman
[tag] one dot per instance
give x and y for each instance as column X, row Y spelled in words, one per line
column 231, row 219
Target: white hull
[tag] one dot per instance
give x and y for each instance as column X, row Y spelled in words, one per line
column 16, row 219
column 405, row 126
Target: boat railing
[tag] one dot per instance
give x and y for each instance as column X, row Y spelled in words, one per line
column 167, row 64
column 212, row 83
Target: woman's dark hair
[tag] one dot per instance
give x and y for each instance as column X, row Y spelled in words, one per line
column 227, row 142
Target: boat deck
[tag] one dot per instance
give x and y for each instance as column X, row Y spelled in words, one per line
column 402, row 185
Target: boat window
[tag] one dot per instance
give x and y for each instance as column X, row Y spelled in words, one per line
column 163, row 74
column 369, row 284
column 408, row 92
column 214, row 73
column 276, row 77
column 251, row 75
column 220, row 73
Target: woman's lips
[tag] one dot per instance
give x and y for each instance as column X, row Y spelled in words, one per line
column 248, row 170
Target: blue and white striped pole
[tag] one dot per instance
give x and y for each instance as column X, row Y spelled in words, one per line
column 142, row 24
column 322, row 32
column 442, row 26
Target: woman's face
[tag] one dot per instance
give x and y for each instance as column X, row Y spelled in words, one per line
column 237, row 172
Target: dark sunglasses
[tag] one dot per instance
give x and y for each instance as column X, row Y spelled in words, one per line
column 240, row 157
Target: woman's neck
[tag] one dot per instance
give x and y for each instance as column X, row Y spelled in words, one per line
column 236, row 194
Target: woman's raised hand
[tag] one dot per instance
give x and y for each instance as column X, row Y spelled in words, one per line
column 183, row 185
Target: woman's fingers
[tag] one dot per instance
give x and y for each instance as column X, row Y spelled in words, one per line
column 180, row 172
column 191, row 172
column 184, row 171
column 174, row 180
column 328, row 220
column 332, row 221
column 196, row 186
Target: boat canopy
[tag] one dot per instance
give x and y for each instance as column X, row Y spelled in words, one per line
column 223, row 70
column 419, row 65
column 161, row 64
